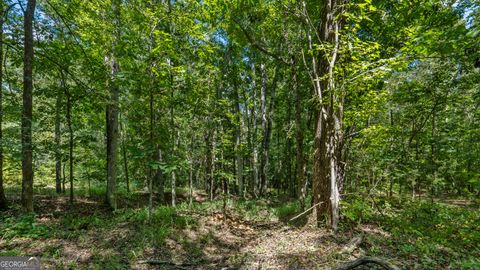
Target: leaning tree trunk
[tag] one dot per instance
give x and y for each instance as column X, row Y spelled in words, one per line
column 27, row 160
column 112, row 114
column 328, row 135
column 3, row 200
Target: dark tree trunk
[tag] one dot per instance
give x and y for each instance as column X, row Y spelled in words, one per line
column 3, row 200
column 125, row 160
column 70, row 144
column 112, row 114
column 58, row 140
column 152, row 143
column 63, row 177
column 27, row 160
column 253, row 136
column 238, row 145
column 301, row 187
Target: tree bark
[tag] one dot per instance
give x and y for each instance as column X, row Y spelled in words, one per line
column 328, row 173
column 208, row 163
column 112, row 113
column 253, row 116
column 152, row 143
column 238, row 145
column 3, row 199
column 27, row 159
column 264, row 124
column 63, row 177
column 301, row 187
column 58, row 141
column 70, row 142
column 124, row 154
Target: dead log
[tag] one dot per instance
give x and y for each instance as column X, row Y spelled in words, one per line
column 367, row 260
column 352, row 245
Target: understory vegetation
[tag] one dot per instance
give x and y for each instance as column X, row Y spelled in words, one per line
column 420, row 234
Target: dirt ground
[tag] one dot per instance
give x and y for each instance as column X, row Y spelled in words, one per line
column 217, row 241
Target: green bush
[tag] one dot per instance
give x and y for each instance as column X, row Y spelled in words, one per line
column 357, row 211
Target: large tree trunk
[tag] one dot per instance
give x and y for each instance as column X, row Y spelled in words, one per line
column 58, row 141
column 328, row 171
column 27, row 160
column 112, row 114
column 3, row 200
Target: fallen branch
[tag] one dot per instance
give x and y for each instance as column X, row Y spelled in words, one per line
column 176, row 265
column 352, row 245
column 304, row 212
column 366, row 260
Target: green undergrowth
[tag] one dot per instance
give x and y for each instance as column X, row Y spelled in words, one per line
column 430, row 235
column 23, row 227
column 260, row 210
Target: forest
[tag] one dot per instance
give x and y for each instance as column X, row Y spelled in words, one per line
column 240, row 134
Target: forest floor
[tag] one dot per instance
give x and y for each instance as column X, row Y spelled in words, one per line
column 245, row 235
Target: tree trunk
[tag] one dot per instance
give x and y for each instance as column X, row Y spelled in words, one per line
column 328, row 173
column 124, row 154
column 390, row 189
column 209, row 163
column 301, row 187
column 58, row 141
column 152, row 143
column 253, row 116
column 264, row 117
column 70, row 142
column 112, row 114
column 27, row 160
column 3, row 199
column 63, row 177
column 159, row 178
column 238, row 145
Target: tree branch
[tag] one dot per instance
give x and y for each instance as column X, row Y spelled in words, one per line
column 367, row 260
column 259, row 47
